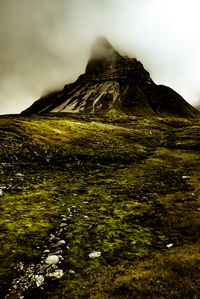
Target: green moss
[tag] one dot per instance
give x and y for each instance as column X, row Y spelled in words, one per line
column 133, row 183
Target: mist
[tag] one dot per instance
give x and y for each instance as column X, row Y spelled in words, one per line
column 46, row 44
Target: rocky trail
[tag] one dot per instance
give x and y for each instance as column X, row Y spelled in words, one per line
column 32, row 276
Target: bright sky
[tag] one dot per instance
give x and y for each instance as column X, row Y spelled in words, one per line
column 46, row 43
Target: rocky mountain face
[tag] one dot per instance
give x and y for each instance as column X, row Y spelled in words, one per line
column 113, row 83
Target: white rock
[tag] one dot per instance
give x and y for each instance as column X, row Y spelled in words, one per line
column 72, row 272
column 185, row 177
column 169, row 245
column 63, row 216
column 94, row 254
column 21, row 266
column 39, row 280
column 52, row 259
column 57, row 274
column 19, row 174
column 1, row 192
column 63, row 224
column 61, row 242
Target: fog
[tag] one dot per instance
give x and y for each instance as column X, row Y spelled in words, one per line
column 46, row 43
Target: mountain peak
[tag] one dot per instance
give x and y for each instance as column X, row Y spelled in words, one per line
column 113, row 83
column 103, row 56
column 102, row 48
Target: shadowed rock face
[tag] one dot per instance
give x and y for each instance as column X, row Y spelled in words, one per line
column 114, row 84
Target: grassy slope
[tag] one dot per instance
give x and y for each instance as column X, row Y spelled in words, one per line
column 125, row 176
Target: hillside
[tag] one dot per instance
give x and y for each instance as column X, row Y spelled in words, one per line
column 123, row 188
column 114, row 84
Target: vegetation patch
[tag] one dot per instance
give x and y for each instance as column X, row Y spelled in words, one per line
column 133, row 186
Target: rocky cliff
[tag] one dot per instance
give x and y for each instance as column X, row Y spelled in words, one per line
column 113, row 83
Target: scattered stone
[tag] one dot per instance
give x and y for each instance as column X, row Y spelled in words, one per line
column 1, row 192
column 56, row 274
column 61, row 242
column 52, row 259
column 63, row 224
column 169, row 245
column 52, row 237
column 72, row 272
column 35, row 274
column 94, row 254
column 58, row 252
column 64, row 220
column 39, row 280
column 185, row 177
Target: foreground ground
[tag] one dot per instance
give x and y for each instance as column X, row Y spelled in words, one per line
column 124, row 187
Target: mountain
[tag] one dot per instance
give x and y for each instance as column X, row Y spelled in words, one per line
column 113, row 83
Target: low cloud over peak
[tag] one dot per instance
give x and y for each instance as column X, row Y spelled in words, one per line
column 45, row 44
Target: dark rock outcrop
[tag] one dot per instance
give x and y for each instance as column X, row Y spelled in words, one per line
column 114, row 84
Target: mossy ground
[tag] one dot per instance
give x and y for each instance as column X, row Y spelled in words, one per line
column 135, row 185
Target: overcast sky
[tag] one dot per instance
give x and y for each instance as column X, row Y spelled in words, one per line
column 46, row 43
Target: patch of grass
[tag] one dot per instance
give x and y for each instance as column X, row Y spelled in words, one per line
column 135, row 185
column 173, row 274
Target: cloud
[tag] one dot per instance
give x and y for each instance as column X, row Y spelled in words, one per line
column 46, row 43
